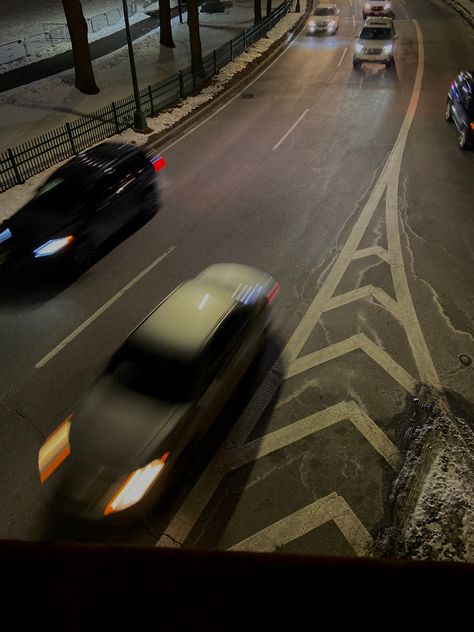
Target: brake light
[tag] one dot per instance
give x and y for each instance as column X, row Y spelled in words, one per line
column 158, row 163
column 472, row 126
column 271, row 296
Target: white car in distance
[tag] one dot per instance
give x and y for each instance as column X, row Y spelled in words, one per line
column 325, row 19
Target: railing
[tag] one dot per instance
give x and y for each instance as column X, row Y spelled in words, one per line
column 19, row 163
column 55, row 33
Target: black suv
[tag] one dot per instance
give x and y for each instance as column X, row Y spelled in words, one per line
column 460, row 107
column 80, row 206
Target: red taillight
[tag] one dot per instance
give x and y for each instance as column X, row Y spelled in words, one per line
column 158, row 163
column 472, row 126
column 271, row 296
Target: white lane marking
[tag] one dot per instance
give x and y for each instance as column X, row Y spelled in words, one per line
column 100, row 311
column 403, row 3
column 362, row 342
column 290, row 130
column 342, row 57
column 186, row 517
column 330, row 508
column 215, row 112
column 350, row 411
column 353, row 21
column 350, row 2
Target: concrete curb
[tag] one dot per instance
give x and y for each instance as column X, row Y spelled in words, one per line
column 463, row 12
column 233, row 87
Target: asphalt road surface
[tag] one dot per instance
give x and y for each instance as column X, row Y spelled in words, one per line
column 349, row 187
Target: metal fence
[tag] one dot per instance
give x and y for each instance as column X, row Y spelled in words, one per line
column 19, row 163
column 55, row 33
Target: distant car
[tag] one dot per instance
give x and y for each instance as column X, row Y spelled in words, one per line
column 376, row 7
column 325, row 19
column 81, row 205
column 460, row 107
column 376, row 42
column 160, row 394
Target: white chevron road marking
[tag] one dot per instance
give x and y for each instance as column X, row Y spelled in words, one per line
column 330, row 508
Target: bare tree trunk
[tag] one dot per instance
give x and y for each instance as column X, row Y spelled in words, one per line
column 194, row 36
column 166, row 33
column 85, row 81
column 257, row 8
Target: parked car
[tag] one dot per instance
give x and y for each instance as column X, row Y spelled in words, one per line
column 162, row 391
column 460, row 107
column 376, row 7
column 325, row 19
column 376, row 42
column 81, row 205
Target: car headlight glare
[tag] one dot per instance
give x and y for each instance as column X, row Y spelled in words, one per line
column 136, row 486
column 359, row 48
column 52, row 246
column 312, row 24
column 5, row 234
column 367, row 6
column 54, row 450
column 386, row 6
column 332, row 23
column 388, row 48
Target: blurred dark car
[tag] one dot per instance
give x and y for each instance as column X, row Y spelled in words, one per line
column 119, row 449
column 80, row 206
column 460, row 107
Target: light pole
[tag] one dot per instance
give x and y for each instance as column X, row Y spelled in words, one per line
column 139, row 118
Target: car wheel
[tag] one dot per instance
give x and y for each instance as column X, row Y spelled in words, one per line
column 388, row 63
column 356, row 62
column 463, row 140
column 83, row 256
column 447, row 115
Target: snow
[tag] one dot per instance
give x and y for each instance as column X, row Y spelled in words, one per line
column 434, row 493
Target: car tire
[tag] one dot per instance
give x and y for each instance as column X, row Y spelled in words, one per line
column 356, row 63
column 388, row 63
column 83, row 256
column 447, row 115
column 463, row 140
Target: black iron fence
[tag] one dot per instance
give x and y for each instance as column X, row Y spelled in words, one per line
column 19, row 163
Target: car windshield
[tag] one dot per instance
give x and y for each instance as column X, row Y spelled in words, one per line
column 376, row 33
column 57, row 193
column 157, row 375
column 325, row 11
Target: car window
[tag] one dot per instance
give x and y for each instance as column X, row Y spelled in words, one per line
column 324, row 12
column 376, row 33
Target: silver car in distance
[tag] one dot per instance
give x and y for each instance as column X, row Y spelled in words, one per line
column 116, row 454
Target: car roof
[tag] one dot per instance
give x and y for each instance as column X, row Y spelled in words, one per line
column 183, row 322
column 94, row 161
column 378, row 22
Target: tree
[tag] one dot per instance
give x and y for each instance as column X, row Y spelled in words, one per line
column 166, row 33
column 194, row 36
column 77, row 25
column 257, row 9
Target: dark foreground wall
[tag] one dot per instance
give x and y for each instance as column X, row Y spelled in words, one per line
column 86, row 587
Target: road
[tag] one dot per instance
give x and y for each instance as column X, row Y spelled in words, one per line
column 348, row 186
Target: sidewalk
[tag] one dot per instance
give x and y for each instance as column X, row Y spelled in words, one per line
column 33, row 109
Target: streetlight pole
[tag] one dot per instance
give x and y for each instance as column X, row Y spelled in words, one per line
column 139, row 118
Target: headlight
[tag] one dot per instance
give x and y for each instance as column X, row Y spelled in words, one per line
column 136, row 486
column 388, row 48
column 367, row 6
column 387, row 6
column 5, row 234
column 52, row 246
column 54, row 450
column 312, row 24
column 359, row 48
column 332, row 23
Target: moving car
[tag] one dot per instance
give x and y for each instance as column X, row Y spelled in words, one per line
column 376, row 7
column 81, row 205
column 375, row 42
column 460, row 107
column 325, row 19
column 160, row 394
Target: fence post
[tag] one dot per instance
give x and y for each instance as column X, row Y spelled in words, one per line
column 181, row 84
column 71, row 139
column 214, row 57
column 19, row 179
column 114, row 110
column 150, row 94
column 245, row 39
column 231, row 51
